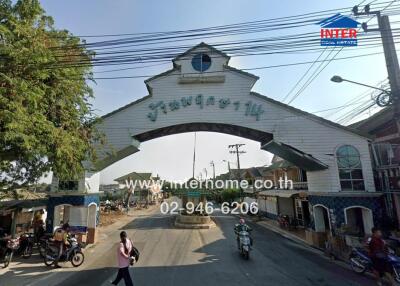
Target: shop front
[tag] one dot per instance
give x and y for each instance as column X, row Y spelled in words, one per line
column 20, row 216
column 80, row 211
column 302, row 209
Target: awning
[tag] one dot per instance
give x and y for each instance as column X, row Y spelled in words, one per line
column 280, row 193
column 33, row 209
column 23, row 205
column 296, row 157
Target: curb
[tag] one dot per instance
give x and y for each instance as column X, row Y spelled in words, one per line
column 315, row 249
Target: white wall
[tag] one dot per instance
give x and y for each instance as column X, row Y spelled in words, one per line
column 304, row 133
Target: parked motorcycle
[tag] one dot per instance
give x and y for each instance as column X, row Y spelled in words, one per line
column 360, row 262
column 43, row 244
column 25, row 248
column 283, row 221
column 7, row 248
column 73, row 253
column 244, row 244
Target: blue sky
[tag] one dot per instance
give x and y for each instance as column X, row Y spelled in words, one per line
column 115, row 17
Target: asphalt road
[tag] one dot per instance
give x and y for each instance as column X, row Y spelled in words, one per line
column 177, row 257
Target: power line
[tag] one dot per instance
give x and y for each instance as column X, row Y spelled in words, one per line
column 315, row 73
column 246, row 69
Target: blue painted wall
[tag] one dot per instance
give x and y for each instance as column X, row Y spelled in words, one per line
column 338, row 204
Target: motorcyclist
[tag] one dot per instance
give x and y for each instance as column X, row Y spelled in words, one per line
column 242, row 226
column 61, row 238
column 378, row 252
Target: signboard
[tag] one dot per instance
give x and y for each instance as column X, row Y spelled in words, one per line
column 338, row 31
column 249, row 108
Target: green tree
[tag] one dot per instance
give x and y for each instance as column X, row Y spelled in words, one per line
column 230, row 195
column 46, row 120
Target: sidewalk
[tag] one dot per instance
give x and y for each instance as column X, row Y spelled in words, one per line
column 297, row 235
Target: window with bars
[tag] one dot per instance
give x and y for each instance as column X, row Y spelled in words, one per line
column 350, row 169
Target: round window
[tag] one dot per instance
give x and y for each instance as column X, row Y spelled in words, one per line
column 201, row 62
column 348, row 157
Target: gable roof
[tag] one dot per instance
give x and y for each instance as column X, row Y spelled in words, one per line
column 134, row 176
column 375, row 121
column 312, row 116
column 339, row 21
column 288, row 107
column 201, row 45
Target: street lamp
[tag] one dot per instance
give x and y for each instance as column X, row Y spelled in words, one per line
column 385, row 98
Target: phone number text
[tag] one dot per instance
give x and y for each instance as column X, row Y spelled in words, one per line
column 209, row 208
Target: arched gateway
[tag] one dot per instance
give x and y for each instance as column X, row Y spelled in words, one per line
column 203, row 93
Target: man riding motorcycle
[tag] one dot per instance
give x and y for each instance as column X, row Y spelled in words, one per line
column 61, row 237
column 242, row 226
column 378, row 252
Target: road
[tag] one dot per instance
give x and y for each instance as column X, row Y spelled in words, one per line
column 171, row 256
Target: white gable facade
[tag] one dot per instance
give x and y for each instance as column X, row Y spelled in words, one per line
column 221, row 99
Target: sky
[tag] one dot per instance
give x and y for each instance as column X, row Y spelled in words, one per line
column 171, row 156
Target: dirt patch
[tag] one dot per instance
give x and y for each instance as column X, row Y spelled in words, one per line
column 107, row 218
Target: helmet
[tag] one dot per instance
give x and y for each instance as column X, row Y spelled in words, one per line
column 241, row 221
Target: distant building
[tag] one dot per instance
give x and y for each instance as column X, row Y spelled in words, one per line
column 385, row 149
column 145, row 186
column 110, row 190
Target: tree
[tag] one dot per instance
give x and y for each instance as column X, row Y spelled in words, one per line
column 46, row 120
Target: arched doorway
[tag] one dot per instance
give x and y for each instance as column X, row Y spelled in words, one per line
column 359, row 219
column 61, row 215
column 321, row 218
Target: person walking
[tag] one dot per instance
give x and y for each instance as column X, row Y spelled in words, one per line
column 124, row 259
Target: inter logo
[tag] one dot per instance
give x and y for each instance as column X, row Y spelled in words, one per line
column 339, row 31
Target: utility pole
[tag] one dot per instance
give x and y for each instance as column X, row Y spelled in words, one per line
column 389, row 49
column 194, row 154
column 229, row 167
column 236, row 151
column 213, row 165
column 392, row 65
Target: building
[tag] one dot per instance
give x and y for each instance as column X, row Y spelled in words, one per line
column 17, row 216
column 385, row 150
column 110, row 191
column 286, row 199
column 202, row 92
column 145, row 187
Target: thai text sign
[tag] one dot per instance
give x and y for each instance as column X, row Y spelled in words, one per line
column 249, row 108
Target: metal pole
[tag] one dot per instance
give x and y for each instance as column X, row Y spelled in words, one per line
column 238, row 160
column 392, row 63
column 194, row 154
column 213, row 165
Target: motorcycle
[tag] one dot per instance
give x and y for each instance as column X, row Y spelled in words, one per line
column 25, row 248
column 244, row 244
column 7, row 248
column 360, row 262
column 43, row 244
column 73, row 253
column 283, row 221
